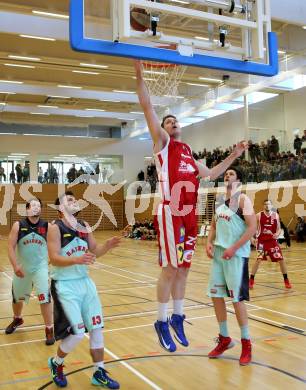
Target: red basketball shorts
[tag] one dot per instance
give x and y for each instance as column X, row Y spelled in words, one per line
column 177, row 236
column 269, row 248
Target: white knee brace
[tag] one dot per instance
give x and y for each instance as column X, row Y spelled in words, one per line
column 96, row 339
column 70, row 342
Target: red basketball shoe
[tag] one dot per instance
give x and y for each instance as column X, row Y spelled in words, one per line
column 223, row 343
column 246, row 353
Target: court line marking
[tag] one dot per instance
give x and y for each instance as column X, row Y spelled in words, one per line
column 132, row 369
column 126, row 277
column 273, row 272
column 123, row 270
column 104, row 330
column 275, row 311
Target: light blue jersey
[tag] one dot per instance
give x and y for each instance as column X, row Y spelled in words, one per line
column 73, row 244
column 230, row 226
column 32, row 251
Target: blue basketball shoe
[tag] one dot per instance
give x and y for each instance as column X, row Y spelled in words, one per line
column 101, row 378
column 57, row 373
column 176, row 323
column 163, row 333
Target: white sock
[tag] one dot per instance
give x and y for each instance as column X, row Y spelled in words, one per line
column 178, row 306
column 97, row 365
column 58, row 360
column 162, row 311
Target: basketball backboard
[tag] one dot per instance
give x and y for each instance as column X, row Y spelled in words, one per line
column 218, row 34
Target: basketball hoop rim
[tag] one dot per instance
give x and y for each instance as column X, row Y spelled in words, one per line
column 159, row 65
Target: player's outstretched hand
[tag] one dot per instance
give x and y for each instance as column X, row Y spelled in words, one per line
column 240, row 148
column 112, row 243
column 19, row 271
column 210, row 250
column 87, row 259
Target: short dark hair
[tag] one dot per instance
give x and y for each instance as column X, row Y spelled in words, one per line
column 58, row 200
column 237, row 171
column 267, row 200
column 166, row 117
column 28, row 204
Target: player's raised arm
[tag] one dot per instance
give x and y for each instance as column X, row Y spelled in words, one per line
column 216, row 171
column 158, row 134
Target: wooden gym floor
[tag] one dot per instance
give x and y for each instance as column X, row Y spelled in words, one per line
column 126, row 281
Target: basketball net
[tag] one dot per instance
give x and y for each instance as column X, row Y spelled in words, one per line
column 162, row 79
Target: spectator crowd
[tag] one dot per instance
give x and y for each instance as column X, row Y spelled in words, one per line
column 265, row 162
column 141, row 231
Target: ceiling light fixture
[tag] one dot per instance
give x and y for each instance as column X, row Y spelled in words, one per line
column 94, row 109
column 198, row 85
column 39, row 113
column 24, row 58
column 94, row 65
column 59, row 97
column 37, row 37
column 45, row 106
column 110, row 101
column 68, row 86
column 21, row 66
column 120, row 91
column 210, row 79
column 85, row 72
column 50, row 14
column 11, row 81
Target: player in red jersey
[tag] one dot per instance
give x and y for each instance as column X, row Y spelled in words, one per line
column 268, row 229
column 176, row 219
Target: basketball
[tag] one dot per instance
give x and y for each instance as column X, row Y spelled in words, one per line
column 139, row 19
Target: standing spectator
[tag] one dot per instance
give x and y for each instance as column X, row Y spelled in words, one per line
column 304, row 142
column 18, row 170
column 263, row 150
column 26, row 172
column 297, row 144
column 53, row 176
column 274, row 145
column 104, row 175
column 252, row 151
column 141, row 176
column 2, row 174
column 12, row 177
column 299, row 230
column 40, row 175
column 72, row 174
column 97, row 173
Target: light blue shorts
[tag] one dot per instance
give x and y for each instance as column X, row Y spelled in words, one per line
column 22, row 287
column 228, row 278
column 77, row 307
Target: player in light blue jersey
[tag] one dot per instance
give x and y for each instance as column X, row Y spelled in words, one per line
column 77, row 308
column 28, row 254
column 228, row 244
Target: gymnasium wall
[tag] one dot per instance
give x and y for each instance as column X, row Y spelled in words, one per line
column 289, row 198
column 104, row 207
column 133, row 151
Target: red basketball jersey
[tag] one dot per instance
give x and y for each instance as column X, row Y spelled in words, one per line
column 177, row 173
column 267, row 226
